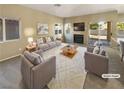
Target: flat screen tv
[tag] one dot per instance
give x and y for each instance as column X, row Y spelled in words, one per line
column 79, row 26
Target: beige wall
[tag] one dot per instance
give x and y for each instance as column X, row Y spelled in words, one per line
column 121, row 17
column 29, row 18
column 106, row 16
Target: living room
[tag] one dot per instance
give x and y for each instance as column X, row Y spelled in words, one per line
column 63, row 42
column 29, row 23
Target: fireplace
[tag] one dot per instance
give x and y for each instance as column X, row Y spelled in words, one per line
column 78, row 38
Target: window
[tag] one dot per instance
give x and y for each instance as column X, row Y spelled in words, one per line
column 58, row 29
column 1, row 30
column 120, row 29
column 98, row 26
column 9, row 29
column 120, row 26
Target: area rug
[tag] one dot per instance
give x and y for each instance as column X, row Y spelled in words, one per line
column 70, row 73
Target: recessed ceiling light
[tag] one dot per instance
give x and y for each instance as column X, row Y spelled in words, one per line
column 57, row 5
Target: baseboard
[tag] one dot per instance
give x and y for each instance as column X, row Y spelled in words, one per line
column 9, row 57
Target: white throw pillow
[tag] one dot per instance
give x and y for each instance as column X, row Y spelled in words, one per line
column 48, row 39
column 96, row 50
column 41, row 40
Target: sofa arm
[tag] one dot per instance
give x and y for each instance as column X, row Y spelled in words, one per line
column 43, row 73
column 96, row 63
column 26, row 67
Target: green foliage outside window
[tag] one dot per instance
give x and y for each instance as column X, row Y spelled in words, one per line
column 94, row 26
column 120, row 26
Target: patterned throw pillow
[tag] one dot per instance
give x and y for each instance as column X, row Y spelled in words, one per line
column 96, row 50
column 48, row 39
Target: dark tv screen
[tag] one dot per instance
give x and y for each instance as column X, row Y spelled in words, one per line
column 79, row 26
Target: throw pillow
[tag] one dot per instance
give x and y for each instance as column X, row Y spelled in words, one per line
column 48, row 39
column 34, row 58
column 102, row 52
column 52, row 39
column 44, row 39
column 96, row 50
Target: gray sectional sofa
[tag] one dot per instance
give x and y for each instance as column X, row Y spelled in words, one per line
column 37, row 71
column 45, row 43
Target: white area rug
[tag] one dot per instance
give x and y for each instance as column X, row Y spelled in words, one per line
column 70, row 73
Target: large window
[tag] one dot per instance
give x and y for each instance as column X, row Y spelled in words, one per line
column 98, row 30
column 9, row 29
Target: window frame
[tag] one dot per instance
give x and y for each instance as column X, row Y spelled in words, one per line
column 4, row 29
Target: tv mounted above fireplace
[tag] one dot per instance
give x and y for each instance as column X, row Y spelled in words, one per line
column 79, row 26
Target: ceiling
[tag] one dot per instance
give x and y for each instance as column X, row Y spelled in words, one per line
column 68, row 10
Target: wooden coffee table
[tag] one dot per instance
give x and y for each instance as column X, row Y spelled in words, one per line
column 69, row 51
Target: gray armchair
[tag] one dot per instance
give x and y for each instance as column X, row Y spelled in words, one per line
column 96, row 63
column 122, row 49
column 37, row 76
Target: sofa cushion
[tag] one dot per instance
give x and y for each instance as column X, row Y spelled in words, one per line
column 40, row 58
column 44, row 46
column 58, row 42
column 102, row 52
column 52, row 44
column 96, row 50
column 40, row 52
column 34, row 58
